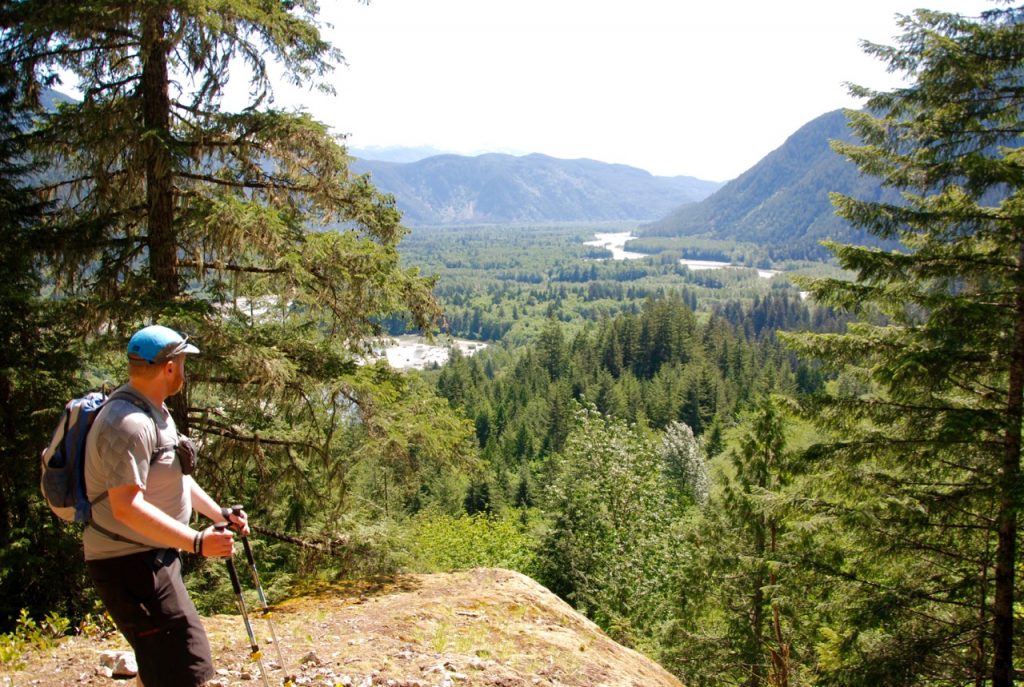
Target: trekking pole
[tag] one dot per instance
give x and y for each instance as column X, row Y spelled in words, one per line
column 255, row 655
column 288, row 679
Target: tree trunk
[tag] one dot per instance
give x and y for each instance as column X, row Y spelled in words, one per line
column 1008, row 486
column 780, row 652
column 756, row 678
column 156, row 149
column 156, row 117
column 980, row 666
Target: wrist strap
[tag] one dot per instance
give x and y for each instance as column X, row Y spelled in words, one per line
column 197, row 543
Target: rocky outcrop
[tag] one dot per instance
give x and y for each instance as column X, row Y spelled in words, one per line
column 478, row 628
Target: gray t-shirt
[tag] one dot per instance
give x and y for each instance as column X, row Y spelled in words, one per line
column 118, row 451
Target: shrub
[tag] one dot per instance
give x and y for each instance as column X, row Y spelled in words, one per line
column 442, row 542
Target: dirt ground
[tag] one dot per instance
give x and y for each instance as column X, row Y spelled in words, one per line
column 479, row 628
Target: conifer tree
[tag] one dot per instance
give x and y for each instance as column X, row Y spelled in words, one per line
column 925, row 462
column 246, row 230
column 735, row 620
column 37, row 358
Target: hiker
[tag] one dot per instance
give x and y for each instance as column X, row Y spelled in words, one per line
column 138, row 478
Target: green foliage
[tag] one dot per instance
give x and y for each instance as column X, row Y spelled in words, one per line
column 245, row 229
column 742, row 598
column 878, row 548
column 685, row 465
column 610, row 549
column 39, row 371
column 97, row 624
column 30, row 634
column 661, row 365
column 505, row 283
column 696, row 248
column 507, row 539
column 921, row 471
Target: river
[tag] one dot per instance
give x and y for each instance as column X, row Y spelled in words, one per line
column 616, row 243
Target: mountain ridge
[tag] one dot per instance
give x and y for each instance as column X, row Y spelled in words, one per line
column 498, row 188
column 783, row 200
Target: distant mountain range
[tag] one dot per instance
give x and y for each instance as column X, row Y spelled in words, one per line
column 782, row 201
column 501, row 189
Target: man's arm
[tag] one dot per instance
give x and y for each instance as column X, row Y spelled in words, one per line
column 202, row 502
column 130, row 507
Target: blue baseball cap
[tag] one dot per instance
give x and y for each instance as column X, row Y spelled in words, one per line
column 157, row 343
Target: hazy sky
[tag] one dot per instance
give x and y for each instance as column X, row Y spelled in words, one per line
column 704, row 89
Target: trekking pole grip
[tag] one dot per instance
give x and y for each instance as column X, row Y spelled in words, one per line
column 236, row 510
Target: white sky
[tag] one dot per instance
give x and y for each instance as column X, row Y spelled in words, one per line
column 704, row 89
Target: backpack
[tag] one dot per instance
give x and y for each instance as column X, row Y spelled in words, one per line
column 63, row 460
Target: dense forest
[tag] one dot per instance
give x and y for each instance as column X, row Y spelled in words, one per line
column 812, row 479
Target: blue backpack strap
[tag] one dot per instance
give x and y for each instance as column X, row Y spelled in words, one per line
column 74, row 441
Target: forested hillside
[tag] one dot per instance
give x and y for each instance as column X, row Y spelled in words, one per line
column 503, row 189
column 782, row 202
column 804, row 476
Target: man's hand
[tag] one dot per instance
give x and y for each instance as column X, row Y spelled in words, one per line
column 236, row 519
column 215, row 543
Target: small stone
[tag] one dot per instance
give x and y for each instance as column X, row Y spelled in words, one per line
column 120, row 664
column 126, row 666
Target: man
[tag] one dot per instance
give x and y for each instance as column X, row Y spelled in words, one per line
column 137, row 475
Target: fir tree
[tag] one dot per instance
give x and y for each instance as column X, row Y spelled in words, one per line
column 38, row 357
column 737, row 596
column 244, row 229
column 925, row 464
